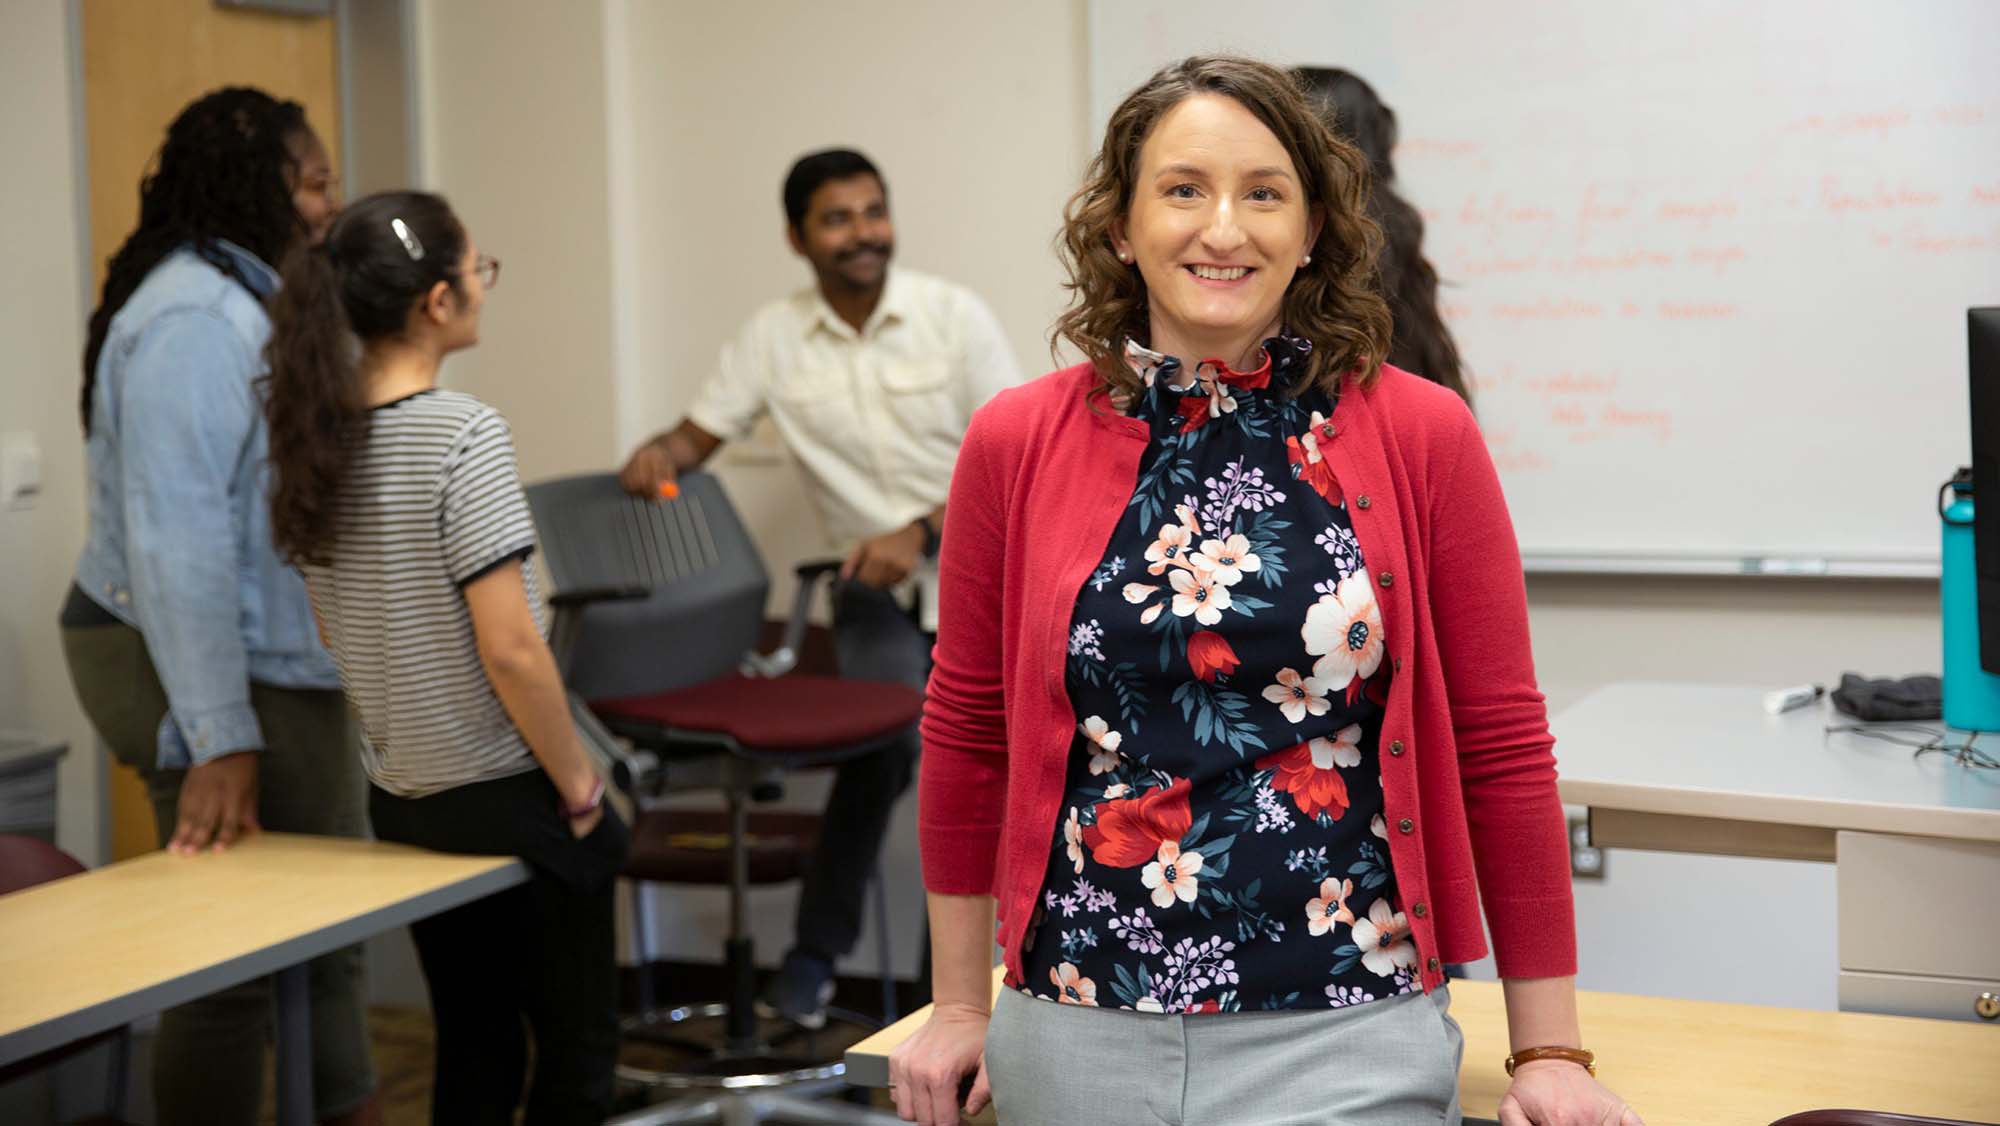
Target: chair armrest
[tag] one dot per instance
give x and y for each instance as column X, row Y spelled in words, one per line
column 586, row 595
column 785, row 657
column 633, row 772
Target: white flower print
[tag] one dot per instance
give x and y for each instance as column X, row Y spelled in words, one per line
column 1298, row 696
column 1116, row 790
column 1199, row 595
column 1072, row 988
column 1330, row 908
column 1172, row 876
column 1107, row 572
column 1141, row 934
column 1344, row 749
column 1104, row 759
column 1085, row 640
column 1169, row 549
column 1378, row 826
column 1344, row 630
column 1136, row 593
column 1384, row 939
column 1149, row 1004
column 1073, row 840
column 1272, row 816
column 1226, row 561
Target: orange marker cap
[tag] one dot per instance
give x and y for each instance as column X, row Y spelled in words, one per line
column 669, row 490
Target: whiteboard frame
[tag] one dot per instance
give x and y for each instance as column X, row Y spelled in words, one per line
column 1919, row 567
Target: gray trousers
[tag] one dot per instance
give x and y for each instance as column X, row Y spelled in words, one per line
column 1385, row 1063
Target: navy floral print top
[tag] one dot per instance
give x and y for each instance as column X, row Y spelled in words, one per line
column 1222, row 846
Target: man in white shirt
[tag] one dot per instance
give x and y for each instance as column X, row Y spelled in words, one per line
column 870, row 378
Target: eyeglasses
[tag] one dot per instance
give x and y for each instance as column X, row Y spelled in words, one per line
column 488, row 269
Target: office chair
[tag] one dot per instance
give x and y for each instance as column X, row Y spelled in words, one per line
column 658, row 607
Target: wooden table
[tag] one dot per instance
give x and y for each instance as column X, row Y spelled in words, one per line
column 1702, row 768
column 1699, row 1063
column 100, row 949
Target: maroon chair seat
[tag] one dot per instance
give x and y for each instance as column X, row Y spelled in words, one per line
column 24, row 863
column 691, row 846
column 795, row 714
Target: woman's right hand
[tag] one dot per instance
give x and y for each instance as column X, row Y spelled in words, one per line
column 927, row 1071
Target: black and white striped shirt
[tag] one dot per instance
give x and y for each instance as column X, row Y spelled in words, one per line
column 432, row 501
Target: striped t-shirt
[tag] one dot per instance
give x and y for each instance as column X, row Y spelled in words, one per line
column 432, row 500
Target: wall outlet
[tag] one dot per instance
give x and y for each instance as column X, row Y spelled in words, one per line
column 1586, row 861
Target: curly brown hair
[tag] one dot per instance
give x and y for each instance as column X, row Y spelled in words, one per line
column 1335, row 301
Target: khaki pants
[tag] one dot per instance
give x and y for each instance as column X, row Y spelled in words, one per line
column 208, row 1063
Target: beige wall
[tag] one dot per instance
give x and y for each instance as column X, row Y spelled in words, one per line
column 41, row 331
column 975, row 117
column 511, row 113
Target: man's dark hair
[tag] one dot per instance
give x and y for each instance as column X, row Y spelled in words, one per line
column 221, row 173
column 814, row 169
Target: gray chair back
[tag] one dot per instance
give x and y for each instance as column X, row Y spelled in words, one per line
column 707, row 582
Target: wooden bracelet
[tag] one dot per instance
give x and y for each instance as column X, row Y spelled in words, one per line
column 1588, row 1060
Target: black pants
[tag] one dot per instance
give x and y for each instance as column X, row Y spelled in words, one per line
column 875, row 638
column 542, row 954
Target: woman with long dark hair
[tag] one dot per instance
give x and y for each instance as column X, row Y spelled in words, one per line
column 1419, row 342
column 189, row 641
column 401, row 503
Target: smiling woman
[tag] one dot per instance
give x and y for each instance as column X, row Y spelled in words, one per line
column 1214, row 210
column 1224, row 799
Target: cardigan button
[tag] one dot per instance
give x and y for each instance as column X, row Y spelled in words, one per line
column 1405, row 825
column 1386, row 579
column 1420, row 910
column 1396, row 747
column 1362, row 500
column 1433, row 965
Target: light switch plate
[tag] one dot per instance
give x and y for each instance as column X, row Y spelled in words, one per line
column 20, row 469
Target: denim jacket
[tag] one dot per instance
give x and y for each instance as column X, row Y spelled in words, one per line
column 180, row 527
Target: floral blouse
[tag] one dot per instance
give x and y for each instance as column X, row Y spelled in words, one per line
column 1223, row 845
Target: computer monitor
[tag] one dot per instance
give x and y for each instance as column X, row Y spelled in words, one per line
column 1983, row 332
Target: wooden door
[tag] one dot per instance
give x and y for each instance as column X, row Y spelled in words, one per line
column 142, row 61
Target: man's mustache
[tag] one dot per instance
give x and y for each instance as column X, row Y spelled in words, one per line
column 881, row 248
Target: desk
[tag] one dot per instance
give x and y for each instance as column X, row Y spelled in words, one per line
column 1700, row 1063
column 1702, row 768
column 98, row 950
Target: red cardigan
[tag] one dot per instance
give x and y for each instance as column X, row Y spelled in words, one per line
column 1468, row 769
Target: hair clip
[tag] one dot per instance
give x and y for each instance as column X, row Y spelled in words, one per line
column 410, row 243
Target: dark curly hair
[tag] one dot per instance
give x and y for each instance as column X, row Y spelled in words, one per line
column 1333, row 302
column 225, row 171
column 358, row 286
column 1420, row 342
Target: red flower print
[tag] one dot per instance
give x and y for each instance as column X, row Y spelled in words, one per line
column 1210, row 654
column 1314, row 470
column 1307, row 772
column 1129, row 833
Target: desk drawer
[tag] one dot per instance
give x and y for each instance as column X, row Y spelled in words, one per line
column 1919, row 905
column 1908, row 995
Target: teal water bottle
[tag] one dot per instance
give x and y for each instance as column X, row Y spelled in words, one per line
column 1971, row 694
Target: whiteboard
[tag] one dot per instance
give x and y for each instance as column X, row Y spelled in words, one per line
column 1708, row 262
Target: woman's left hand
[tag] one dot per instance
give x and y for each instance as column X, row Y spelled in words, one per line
column 1560, row 1093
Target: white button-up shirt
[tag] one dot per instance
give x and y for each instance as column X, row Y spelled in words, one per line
column 874, row 417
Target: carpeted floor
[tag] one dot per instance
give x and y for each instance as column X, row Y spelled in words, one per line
column 402, row 1039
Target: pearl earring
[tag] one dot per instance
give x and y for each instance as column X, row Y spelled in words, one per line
column 1306, row 261
column 1124, row 257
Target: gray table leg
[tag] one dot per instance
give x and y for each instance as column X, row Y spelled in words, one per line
column 295, row 1084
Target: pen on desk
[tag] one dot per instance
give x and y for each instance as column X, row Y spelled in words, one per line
column 1798, row 696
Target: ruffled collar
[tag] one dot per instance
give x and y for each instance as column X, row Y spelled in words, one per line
column 1216, row 389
